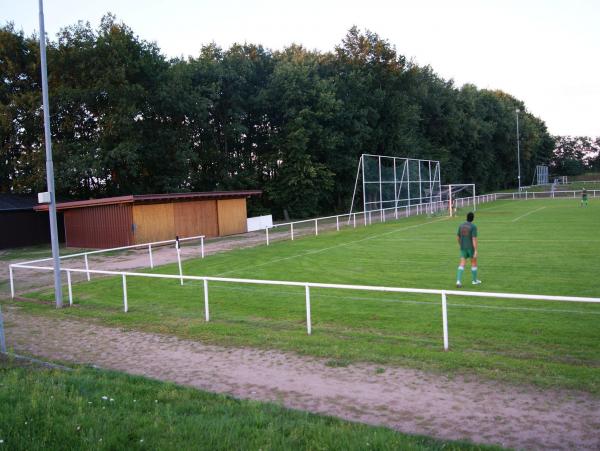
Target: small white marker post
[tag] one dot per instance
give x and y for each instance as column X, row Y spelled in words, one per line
column 70, row 288
column 150, row 254
column 267, row 234
column 125, row 306
column 206, row 315
column 292, row 230
column 316, row 228
column 445, row 320
column 87, row 267
column 202, row 246
column 308, row 323
column 12, row 282
column 179, row 260
column 337, row 223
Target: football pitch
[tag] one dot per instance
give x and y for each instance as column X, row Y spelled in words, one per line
column 549, row 247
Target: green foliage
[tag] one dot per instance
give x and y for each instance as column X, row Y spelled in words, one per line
column 575, row 154
column 292, row 122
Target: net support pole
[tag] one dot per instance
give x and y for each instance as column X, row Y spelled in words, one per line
column 125, row 306
column 308, row 322
column 206, row 314
column 445, row 320
column 12, row 281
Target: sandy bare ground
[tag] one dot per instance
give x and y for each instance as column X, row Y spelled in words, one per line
column 407, row 400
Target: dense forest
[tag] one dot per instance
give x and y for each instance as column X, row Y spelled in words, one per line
column 292, row 122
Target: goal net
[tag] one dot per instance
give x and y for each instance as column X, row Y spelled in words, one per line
column 458, row 196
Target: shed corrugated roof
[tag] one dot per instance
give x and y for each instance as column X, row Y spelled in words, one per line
column 157, row 198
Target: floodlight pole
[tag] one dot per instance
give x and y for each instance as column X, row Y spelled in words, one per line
column 517, row 111
column 49, row 164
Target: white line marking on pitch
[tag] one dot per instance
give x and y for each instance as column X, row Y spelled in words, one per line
column 316, row 251
column 527, row 214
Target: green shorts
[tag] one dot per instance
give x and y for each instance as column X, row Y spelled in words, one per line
column 467, row 253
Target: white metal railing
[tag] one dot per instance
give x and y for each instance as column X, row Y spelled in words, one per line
column 307, row 287
column 122, row 248
column 366, row 217
column 529, row 195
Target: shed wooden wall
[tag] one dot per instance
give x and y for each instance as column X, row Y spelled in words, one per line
column 195, row 218
column 153, row 222
column 232, row 216
column 100, row 227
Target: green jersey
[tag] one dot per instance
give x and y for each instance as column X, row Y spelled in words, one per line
column 466, row 232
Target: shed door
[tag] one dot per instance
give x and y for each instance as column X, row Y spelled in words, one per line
column 153, row 222
column 232, row 216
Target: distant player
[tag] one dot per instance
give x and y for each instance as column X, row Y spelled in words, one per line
column 467, row 240
column 584, row 198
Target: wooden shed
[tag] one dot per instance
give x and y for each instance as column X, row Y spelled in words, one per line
column 136, row 219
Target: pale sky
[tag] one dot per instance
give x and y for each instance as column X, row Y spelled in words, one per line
column 545, row 52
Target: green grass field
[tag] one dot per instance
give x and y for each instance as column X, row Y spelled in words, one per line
column 89, row 409
column 539, row 247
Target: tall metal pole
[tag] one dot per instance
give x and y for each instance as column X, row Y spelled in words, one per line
column 49, row 165
column 518, row 151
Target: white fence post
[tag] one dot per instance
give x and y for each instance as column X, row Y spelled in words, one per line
column 125, row 306
column 308, row 323
column 445, row 320
column 316, row 227
column 70, row 288
column 206, row 315
column 202, row 246
column 355, row 220
column 267, row 234
column 150, row 254
column 87, row 267
column 292, row 230
column 179, row 262
column 12, row 282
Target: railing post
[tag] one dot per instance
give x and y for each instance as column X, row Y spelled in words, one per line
column 267, row 234
column 206, row 315
column 125, row 306
column 316, row 227
column 12, row 282
column 87, row 267
column 292, row 230
column 202, row 246
column 337, row 223
column 445, row 320
column 308, row 322
column 150, row 254
column 70, row 287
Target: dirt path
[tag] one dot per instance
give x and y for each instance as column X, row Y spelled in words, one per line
column 407, row 400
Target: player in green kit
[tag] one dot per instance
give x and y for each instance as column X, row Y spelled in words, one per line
column 467, row 240
column 584, row 198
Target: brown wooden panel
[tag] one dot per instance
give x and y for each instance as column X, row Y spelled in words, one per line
column 99, row 227
column 232, row 216
column 153, row 222
column 196, row 218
